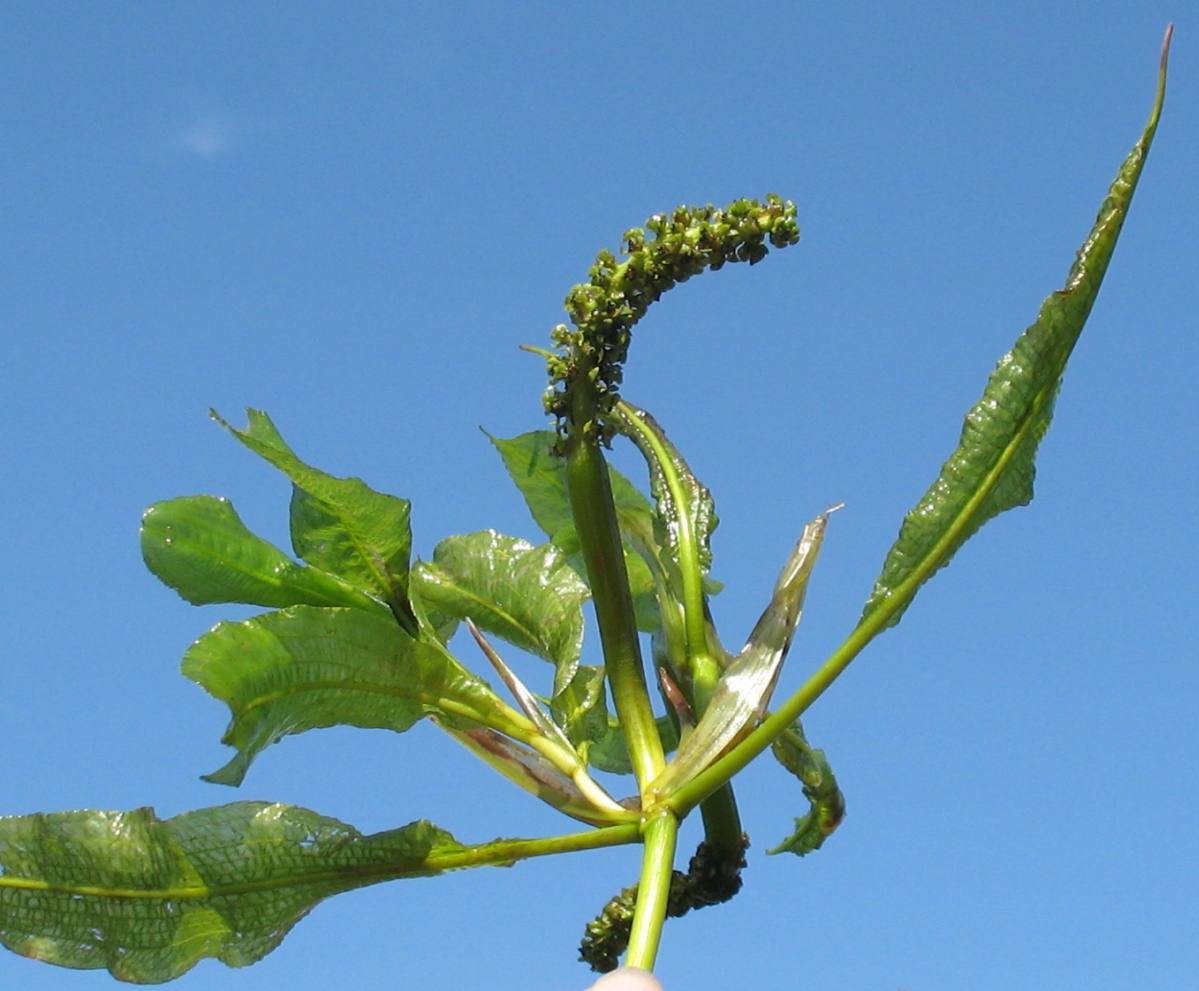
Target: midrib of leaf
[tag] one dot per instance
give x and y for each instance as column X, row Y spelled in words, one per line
column 905, row 591
column 198, row 893
column 487, row 604
column 500, row 852
column 376, row 689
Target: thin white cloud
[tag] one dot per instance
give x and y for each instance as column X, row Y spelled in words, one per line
column 202, row 135
column 207, row 138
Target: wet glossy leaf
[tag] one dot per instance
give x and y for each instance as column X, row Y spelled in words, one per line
column 340, row 525
column 529, row 596
column 580, row 707
column 148, row 899
column 540, row 476
column 827, row 804
column 992, row 469
column 304, row 668
column 199, row 546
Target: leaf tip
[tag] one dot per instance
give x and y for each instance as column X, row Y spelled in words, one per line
column 1163, row 65
column 232, row 774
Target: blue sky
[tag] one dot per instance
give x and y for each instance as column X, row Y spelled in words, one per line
column 351, row 217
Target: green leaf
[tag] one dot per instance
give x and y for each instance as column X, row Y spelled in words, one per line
column 744, row 689
column 148, row 899
column 539, row 473
column 341, row 525
column 527, row 595
column 580, row 707
column 304, row 668
column 992, row 469
column 686, row 514
column 199, row 546
column 610, row 752
column 827, row 803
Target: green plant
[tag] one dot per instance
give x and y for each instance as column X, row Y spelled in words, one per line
column 361, row 637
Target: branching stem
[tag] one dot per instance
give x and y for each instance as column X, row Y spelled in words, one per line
column 509, row 851
column 721, row 771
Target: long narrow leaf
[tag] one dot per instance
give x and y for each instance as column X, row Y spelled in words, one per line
column 148, row 899
column 304, row 668
column 199, row 546
column 340, row 525
column 992, row 469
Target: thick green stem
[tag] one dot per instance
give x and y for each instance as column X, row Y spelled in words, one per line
column 722, row 823
column 594, row 512
column 653, row 892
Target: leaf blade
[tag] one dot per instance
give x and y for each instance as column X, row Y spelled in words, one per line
column 529, row 596
column 199, row 546
column 307, row 668
column 340, row 525
column 825, row 800
column 993, row 468
column 686, row 513
column 149, row 898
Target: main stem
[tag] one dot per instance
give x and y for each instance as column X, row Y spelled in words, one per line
column 653, row 891
column 594, row 512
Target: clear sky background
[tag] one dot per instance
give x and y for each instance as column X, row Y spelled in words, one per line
column 351, row 215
